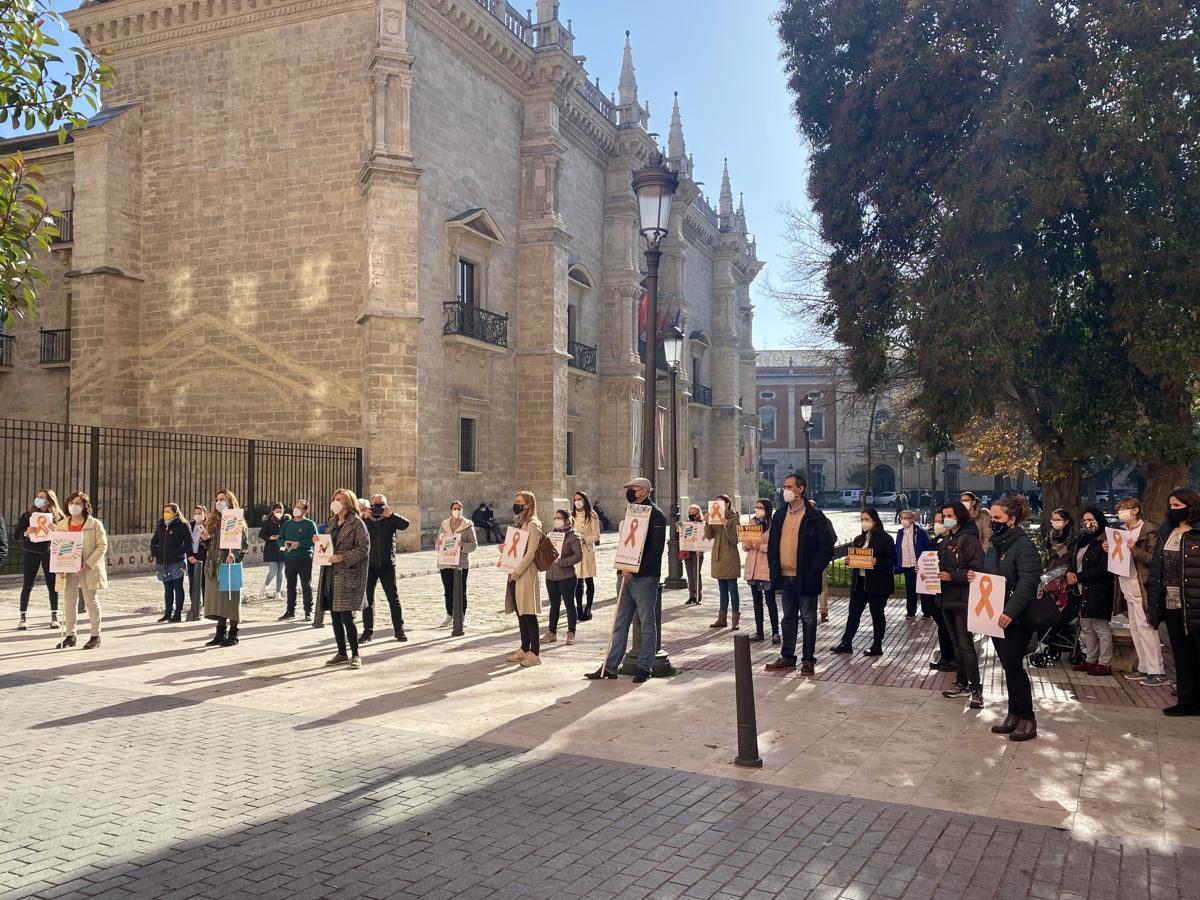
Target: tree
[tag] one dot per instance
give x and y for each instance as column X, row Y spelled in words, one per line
column 40, row 87
column 1009, row 212
column 999, row 446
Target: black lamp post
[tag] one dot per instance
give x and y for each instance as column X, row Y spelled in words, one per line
column 919, row 505
column 806, row 413
column 673, row 351
column 899, row 469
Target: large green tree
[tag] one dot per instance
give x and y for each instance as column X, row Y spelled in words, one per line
column 42, row 87
column 1007, row 192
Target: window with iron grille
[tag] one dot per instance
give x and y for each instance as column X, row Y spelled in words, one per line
column 466, row 445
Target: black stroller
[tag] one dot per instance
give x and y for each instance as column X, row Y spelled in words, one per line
column 1063, row 636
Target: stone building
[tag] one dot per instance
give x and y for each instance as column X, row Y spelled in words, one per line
column 405, row 225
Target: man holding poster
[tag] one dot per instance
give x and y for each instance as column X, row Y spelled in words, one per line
column 644, row 525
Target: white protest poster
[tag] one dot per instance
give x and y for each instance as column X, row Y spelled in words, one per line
column 322, row 550
column 716, row 512
column 449, row 550
column 66, row 552
column 512, row 551
column 40, row 524
column 233, row 529
column 928, row 569
column 1120, row 555
column 692, row 539
column 557, row 538
column 632, row 541
column 985, row 603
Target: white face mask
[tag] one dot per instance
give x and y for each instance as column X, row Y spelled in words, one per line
column 336, row 507
column 559, row 523
column 279, row 514
column 950, row 524
column 222, row 505
column 760, row 513
column 579, row 504
column 39, row 502
column 1125, row 515
column 789, row 496
column 75, row 509
column 868, row 525
column 198, row 518
column 297, row 513
column 456, row 513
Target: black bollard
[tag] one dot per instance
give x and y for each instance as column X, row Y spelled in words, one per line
column 747, row 727
column 457, row 630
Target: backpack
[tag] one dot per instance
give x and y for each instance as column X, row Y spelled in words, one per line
column 545, row 555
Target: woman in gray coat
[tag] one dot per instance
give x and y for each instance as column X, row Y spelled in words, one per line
column 223, row 605
column 561, row 578
column 345, row 584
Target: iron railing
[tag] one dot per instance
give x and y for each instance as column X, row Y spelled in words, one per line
column 129, row 475
column 702, row 394
column 471, row 321
column 55, row 346
column 65, row 223
column 583, row 357
column 8, row 347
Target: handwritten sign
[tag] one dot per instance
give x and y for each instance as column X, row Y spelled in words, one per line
column 716, row 512
column 233, row 529
column 860, row 558
column 322, row 549
column 692, row 539
column 557, row 538
column 928, row 568
column 449, row 550
column 632, row 540
column 66, row 552
column 512, row 551
column 985, row 603
column 40, row 525
column 1120, row 554
column 749, row 534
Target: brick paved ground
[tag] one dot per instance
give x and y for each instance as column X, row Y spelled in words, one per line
column 117, row 795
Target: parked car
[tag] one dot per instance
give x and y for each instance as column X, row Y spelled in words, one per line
column 850, row 498
column 884, row 500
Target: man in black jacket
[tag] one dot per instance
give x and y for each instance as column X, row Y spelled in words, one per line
column 382, row 525
column 799, row 549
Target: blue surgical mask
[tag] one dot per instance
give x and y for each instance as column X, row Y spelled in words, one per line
column 950, row 524
column 39, row 502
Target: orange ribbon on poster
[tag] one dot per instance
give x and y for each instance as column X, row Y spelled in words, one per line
column 985, row 598
column 631, row 538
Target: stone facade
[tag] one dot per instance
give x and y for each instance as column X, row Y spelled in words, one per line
column 271, row 221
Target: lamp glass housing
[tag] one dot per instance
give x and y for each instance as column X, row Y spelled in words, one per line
column 672, row 341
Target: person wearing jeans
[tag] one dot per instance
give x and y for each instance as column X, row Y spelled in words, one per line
column 382, row 525
column 272, row 525
column 169, row 548
column 296, row 544
column 799, row 550
column 959, row 554
column 639, row 595
column 911, row 542
column 693, row 563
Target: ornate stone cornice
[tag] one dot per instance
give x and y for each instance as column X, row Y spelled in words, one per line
column 469, row 31
column 128, row 27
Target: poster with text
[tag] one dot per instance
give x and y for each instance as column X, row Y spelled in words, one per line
column 66, row 552
column 449, row 550
column 322, row 549
column 692, row 539
column 1120, row 554
column 750, row 534
column 928, row 569
column 40, row 524
column 985, row 603
column 557, row 538
column 512, row 551
column 860, row 558
column 233, row 529
column 632, row 539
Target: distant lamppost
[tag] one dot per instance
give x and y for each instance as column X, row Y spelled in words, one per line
column 673, row 351
column 900, row 469
column 806, row 413
column 920, row 506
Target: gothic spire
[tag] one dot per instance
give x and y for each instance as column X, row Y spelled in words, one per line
column 726, row 203
column 741, row 213
column 627, row 89
column 675, row 145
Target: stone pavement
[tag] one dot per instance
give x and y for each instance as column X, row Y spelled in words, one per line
column 115, row 794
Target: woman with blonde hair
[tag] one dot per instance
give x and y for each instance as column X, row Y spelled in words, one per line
column 726, row 560
column 523, row 594
column 37, row 553
column 92, row 576
column 344, row 580
column 222, row 604
column 587, row 523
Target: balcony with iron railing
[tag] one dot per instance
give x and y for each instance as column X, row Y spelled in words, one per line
column 583, row 357
column 8, row 347
column 55, row 347
column 702, row 394
column 64, row 221
column 468, row 321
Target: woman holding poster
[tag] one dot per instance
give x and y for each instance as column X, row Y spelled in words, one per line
column 870, row 586
column 91, row 576
column 587, row 523
column 464, row 530
column 344, row 583
column 523, row 594
column 1014, row 557
column 721, row 527
column 222, row 598
column 960, row 553
column 36, row 546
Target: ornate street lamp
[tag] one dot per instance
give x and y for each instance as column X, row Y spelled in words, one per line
column 806, row 413
column 673, row 351
column 900, row 470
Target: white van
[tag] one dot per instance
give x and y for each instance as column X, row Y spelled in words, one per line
column 850, row 498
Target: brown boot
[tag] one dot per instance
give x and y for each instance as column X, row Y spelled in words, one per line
column 1008, row 726
column 733, row 624
column 720, row 623
column 1026, row 730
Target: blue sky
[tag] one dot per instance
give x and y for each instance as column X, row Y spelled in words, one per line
column 723, row 58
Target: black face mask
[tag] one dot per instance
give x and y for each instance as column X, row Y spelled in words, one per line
column 377, row 508
column 999, row 528
column 1177, row 516
column 518, row 509
column 630, row 496
column 694, row 518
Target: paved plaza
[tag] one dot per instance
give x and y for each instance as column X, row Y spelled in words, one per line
column 154, row 767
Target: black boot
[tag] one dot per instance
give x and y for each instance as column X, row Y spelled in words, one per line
column 1026, row 730
column 1008, row 726
column 219, row 636
column 233, row 638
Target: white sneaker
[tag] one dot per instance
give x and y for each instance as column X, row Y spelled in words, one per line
column 516, row 656
column 54, row 623
column 447, row 622
column 21, row 625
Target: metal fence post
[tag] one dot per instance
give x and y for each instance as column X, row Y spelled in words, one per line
column 459, row 603
column 94, row 469
column 248, row 503
column 358, row 471
column 747, row 726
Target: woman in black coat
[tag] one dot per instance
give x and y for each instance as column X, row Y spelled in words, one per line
column 1173, row 595
column 870, row 587
column 1089, row 576
column 960, row 553
column 169, row 549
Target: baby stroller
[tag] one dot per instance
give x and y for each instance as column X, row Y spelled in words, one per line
column 1063, row 636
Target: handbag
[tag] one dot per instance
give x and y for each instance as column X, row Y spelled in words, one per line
column 229, row 577
column 545, row 555
column 1042, row 611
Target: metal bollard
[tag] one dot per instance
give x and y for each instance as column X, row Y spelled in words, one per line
column 457, row 630
column 747, row 726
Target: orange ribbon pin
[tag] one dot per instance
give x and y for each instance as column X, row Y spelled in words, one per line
column 985, row 597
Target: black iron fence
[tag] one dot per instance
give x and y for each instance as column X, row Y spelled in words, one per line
column 702, row 394
column 130, row 474
column 55, row 346
column 583, row 356
column 471, row 321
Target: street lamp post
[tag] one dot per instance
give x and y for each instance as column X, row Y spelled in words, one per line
column 806, row 413
column 900, row 469
column 673, row 351
column 920, row 506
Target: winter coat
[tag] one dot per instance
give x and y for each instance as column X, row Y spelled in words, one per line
column 382, row 532
column 725, row 560
column 571, row 554
column 219, row 604
column 1014, row 556
column 1058, row 553
column 983, row 523
column 879, row 581
column 589, row 533
column 95, row 557
column 959, row 553
column 1096, row 584
column 348, row 578
column 271, row 528
column 920, row 545
column 170, row 545
column 1156, row 588
column 814, row 549
column 758, row 568
column 524, row 594
column 465, row 529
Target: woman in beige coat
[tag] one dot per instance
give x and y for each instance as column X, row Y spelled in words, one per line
column 587, row 523
column 92, row 577
column 726, row 561
column 524, row 592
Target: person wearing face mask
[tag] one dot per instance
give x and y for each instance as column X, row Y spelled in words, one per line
column 911, row 542
column 1060, row 540
column 522, row 593
column 1173, row 597
column 1014, row 556
column 382, row 525
column 799, row 551
column 1089, row 576
column 465, row 529
column 561, row 577
column 944, row 659
column 870, row 588
column 1141, row 542
column 960, row 553
column 92, row 576
column 758, row 573
column 587, row 523
column 693, row 563
column 272, row 525
column 296, row 544
column 344, row 580
column 169, row 548
column 980, row 516
column 725, row 561
column 223, row 606
column 197, row 548
column 36, row 554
